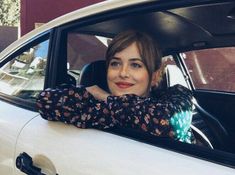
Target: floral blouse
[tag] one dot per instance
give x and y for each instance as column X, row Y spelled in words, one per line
column 168, row 115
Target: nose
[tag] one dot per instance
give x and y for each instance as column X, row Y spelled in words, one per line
column 124, row 71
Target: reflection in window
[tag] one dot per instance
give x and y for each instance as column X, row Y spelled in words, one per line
column 24, row 75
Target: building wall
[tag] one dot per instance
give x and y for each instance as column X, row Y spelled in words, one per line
column 42, row 11
column 7, row 36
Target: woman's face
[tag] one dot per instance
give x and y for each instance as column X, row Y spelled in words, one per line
column 127, row 74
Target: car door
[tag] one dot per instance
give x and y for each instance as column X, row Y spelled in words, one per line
column 57, row 148
column 22, row 75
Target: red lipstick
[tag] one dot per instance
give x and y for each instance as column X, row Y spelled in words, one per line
column 124, row 85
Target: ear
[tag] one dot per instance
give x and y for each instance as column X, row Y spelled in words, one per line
column 155, row 78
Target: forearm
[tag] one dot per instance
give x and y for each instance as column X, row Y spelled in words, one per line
column 141, row 114
column 63, row 104
column 160, row 117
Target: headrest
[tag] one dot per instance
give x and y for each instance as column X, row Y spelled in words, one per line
column 94, row 74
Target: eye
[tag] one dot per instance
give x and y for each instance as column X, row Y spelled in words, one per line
column 114, row 63
column 136, row 65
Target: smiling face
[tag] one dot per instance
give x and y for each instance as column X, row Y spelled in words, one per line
column 127, row 74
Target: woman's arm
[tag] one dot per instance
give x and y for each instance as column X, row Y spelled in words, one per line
column 167, row 116
column 98, row 93
column 64, row 104
column 75, row 105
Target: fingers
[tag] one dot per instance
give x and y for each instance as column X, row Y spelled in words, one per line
column 98, row 93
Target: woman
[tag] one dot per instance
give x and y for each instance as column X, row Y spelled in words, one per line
column 133, row 68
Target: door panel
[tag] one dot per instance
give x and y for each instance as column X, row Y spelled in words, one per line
column 12, row 120
column 70, row 150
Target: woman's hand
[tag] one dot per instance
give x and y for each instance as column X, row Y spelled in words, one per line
column 98, row 93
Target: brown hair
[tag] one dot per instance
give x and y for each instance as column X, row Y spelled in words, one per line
column 148, row 48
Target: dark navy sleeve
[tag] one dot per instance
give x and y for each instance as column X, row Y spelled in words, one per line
column 169, row 115
column 166, row 116
column 74, row 105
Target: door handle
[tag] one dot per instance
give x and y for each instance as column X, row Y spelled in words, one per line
column 25, row 164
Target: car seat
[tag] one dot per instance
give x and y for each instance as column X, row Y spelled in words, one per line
column 206, row 128
column 209, row 125
column 94, row 74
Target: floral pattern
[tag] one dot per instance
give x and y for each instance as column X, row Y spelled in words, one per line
column 167, row 115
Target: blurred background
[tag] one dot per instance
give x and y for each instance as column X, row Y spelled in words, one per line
column 18, row 17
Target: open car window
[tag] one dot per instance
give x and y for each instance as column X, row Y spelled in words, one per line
column 212, row 69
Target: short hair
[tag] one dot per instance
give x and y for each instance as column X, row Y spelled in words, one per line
column 148, row 48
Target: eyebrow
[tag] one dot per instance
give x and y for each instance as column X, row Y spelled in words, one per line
column 131, row 59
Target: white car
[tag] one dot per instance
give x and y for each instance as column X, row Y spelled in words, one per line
column 197, row 36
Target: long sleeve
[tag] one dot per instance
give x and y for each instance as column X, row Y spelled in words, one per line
column 169, row 115
column 74, row 105
column 63, row 103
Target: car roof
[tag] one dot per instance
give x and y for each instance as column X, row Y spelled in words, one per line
column 177, row 25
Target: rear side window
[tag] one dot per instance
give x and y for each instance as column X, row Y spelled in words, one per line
column 24, row 75
column 212, row 69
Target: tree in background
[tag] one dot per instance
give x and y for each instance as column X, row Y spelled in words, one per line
column 9, row 12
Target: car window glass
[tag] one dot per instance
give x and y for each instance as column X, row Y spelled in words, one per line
column 24, row 75
column 83, row 49
column 212, row 69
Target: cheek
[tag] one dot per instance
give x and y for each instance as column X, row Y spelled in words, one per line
column 111, row 74
column 142, row 82
column 142, row 77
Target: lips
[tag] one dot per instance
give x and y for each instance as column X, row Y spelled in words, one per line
column 124, row 85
